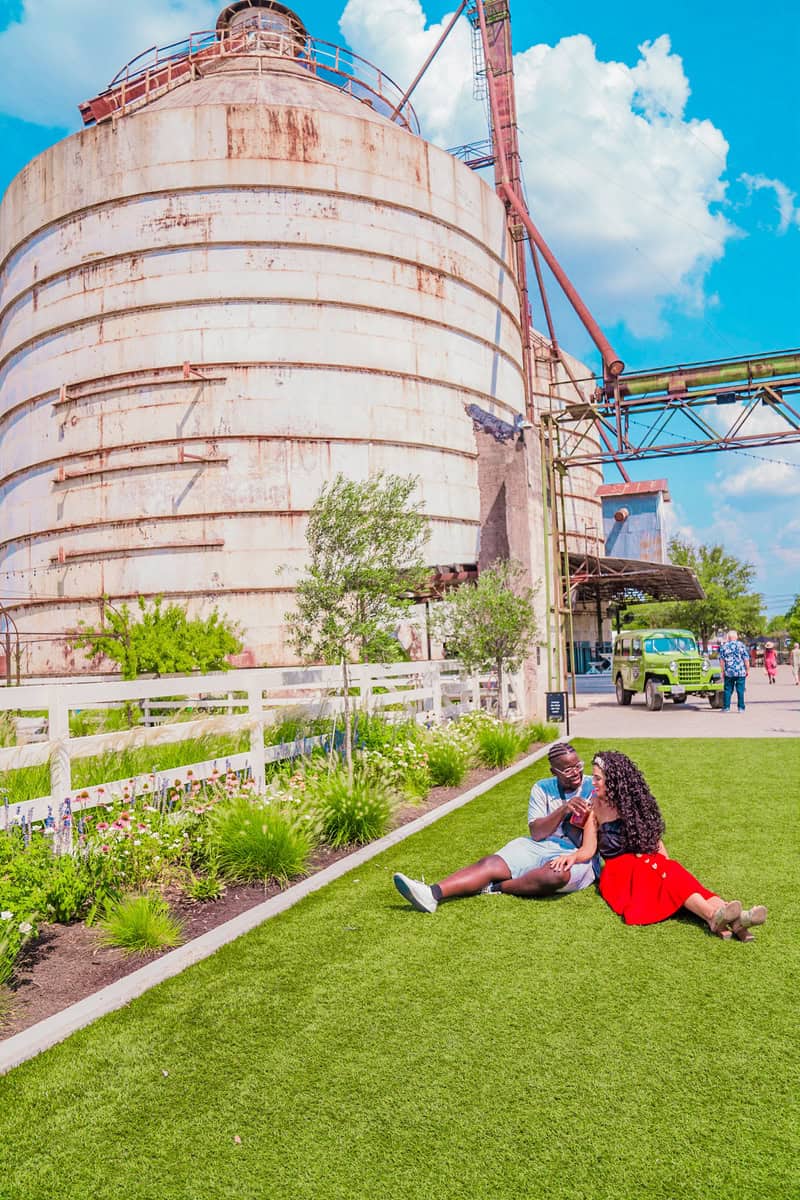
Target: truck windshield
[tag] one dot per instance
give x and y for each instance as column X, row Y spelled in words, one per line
column 661, row 644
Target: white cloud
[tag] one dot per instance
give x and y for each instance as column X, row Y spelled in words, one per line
column 58, row 54
column 788, row 213
column 764, row 476
column 624, row 188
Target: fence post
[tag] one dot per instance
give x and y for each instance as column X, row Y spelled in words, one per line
column 58, row 734
column 435, row 678
column 476, row 693
column 255, row 710
column 366, row 687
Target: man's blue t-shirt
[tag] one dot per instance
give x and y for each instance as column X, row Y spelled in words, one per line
column 547, row 795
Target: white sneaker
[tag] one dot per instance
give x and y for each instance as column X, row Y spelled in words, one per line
column 417, row 893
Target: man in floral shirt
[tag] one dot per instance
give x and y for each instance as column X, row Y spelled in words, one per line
column 735, row 663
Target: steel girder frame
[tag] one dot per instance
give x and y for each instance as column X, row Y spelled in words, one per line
column 670, row 425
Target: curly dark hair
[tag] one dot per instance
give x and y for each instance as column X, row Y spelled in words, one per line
column 627, row 791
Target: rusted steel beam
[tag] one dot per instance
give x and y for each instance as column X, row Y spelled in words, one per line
column 612, row 363
column 678, row 449
column 678, row 380
column 412, row 86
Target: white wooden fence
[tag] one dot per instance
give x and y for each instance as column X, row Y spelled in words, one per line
column 250, row 700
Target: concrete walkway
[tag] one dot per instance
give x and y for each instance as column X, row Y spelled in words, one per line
column 772, row 711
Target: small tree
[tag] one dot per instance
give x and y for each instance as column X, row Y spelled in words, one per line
column 491, row 625
column 161, row 640
column 791, row 622
column 365, row 544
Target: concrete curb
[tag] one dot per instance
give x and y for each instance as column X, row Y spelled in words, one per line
column 23, row 1046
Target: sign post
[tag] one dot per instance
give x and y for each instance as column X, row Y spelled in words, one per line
column 557, row 708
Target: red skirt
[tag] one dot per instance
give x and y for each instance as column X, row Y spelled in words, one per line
column 646, row 888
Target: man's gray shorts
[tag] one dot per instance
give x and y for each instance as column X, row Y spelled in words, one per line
column 524, row 854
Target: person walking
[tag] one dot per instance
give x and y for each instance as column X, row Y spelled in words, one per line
column 794, row 660
column 770, row 661
column 735, row 663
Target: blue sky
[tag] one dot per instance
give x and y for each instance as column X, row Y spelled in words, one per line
column 661, row 151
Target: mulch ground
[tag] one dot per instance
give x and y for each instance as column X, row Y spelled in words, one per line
column 66, row 963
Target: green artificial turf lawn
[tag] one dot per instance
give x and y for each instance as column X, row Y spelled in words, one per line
column 500, row 1048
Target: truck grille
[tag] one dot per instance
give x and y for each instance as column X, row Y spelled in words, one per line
column 690, row 672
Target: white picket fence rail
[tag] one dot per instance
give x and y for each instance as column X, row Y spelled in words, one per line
column 430, row 691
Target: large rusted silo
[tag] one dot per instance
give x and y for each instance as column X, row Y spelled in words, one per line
column 248, row 275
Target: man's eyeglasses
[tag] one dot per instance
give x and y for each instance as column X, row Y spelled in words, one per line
column 573, row 770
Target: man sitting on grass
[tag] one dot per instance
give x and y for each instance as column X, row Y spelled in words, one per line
column 521, row 868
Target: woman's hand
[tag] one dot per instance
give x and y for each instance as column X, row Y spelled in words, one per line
column 564, row 862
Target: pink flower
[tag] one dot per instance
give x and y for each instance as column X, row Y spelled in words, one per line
column 104, row 849
column 101, row 825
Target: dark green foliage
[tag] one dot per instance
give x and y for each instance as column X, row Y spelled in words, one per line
column 374, row 732
column 447, row 762
column 729, row 603
column 140, row 925
column 365, row 545
column 163, row 640
column 499, row 745
column 257, row 842
column 353, row 812
column 539, row 732
column 490, row 625
column 208, row 886
column 68, row 889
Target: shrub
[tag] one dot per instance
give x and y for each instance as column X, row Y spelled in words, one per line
column 259, row 842
column 540, row 732
column 374, row 732
column 140, row 925
column 208, row 886
column 67, row 890
column 15, row 930
column 353, row 814
column 447, row 761
column 498, row 745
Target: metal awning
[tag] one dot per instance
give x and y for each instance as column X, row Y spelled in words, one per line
column 630, row 580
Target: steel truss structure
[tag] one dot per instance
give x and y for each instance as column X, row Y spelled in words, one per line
column 739, row 404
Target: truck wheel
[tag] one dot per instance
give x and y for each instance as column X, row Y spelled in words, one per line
column 623, row 695
column 652, row 696
column 716, row 699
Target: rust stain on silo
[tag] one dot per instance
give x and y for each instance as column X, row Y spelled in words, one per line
column 430, row 282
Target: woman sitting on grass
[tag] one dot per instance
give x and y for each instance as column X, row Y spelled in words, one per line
column 638, row 880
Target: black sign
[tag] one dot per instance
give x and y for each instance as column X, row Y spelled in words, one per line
column 556, row 706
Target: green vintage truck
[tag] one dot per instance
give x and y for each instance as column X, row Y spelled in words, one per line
column 663, row 662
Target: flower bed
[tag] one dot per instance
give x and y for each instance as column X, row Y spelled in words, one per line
column 209, row 840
